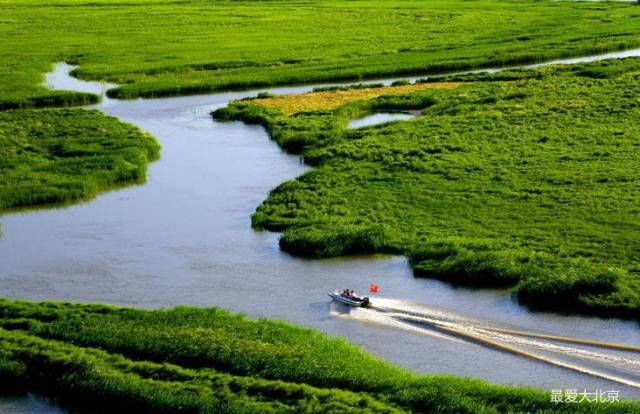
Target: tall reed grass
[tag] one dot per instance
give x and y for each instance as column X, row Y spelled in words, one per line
column 104, row 359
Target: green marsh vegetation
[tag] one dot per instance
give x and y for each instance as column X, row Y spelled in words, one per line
column 370, row 185
column 195, row 46
column 525, row 179
column 192, row 360
column 62, row 155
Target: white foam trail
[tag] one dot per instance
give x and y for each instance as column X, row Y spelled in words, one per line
column 467, row 325
column 371, row 316
column 471, row 335
column 621, row 361
column 447, row 325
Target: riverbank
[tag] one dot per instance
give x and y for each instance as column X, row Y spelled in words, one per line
column 489, row 188
column 103, row 358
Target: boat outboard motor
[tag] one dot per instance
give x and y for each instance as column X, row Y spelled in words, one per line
column 365, row 301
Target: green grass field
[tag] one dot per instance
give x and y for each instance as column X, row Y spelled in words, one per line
column 158, row 48
column 529, row 183
column 96, row 359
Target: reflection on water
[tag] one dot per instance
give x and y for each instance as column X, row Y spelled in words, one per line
column 184, row 237
column 584, row 59
column 28, row 404
column 379, row 118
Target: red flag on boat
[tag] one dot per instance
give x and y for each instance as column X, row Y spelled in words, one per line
column 373, row 288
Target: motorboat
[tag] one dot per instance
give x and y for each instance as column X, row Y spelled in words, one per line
column 349, row 298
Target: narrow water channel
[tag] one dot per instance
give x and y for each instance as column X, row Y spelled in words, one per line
column 184, row 237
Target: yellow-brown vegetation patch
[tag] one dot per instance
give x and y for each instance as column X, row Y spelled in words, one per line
column 313, row 101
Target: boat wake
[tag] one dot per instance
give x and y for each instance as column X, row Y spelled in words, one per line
column 614, row 362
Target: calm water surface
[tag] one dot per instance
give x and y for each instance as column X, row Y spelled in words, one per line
column 379, row 118
column 184, row 237
column 29, row 404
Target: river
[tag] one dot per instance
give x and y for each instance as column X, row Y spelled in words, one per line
column 184, row 237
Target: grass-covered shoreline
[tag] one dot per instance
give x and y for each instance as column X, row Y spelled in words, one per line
column 97, row 358
column 196, row 46
column 523, row 178
column 55, row 156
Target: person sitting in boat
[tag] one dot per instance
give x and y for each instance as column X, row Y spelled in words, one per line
column 347, row 293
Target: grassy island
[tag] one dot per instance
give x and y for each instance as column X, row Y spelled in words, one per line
column 525, row 178
column 63, row 155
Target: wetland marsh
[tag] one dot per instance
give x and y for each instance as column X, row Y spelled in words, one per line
column 185, row 236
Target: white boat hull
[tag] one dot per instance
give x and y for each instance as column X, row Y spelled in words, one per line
column 354, row 301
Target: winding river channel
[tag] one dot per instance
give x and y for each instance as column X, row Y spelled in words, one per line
column 184, row 237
